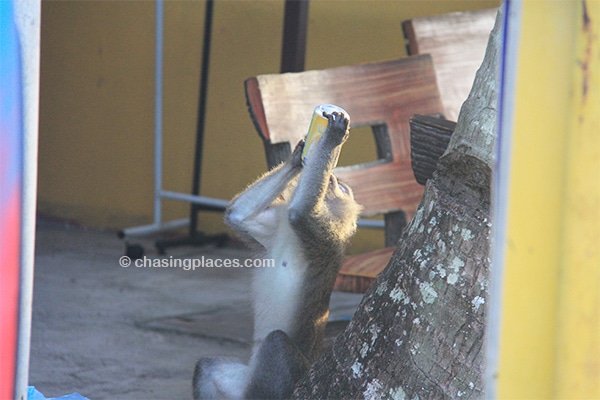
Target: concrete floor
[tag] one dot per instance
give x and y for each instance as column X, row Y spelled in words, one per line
column 109, row 332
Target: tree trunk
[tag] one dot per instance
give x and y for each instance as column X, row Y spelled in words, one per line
column 419, row 331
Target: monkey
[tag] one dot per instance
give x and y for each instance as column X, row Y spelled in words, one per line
column 302, row 217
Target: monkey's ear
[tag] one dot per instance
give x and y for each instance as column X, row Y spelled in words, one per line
column 299, row 146
column 296, row 158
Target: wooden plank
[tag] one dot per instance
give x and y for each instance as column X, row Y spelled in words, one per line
column 371, row 93
column 359, row 271
column 256, row 108
column 457, row 43
column 383, row 187
column 429, row 138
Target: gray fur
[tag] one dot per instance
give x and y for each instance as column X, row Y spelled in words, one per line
column 301, row 217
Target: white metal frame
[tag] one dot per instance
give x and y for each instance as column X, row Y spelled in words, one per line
column 159, row 194
column 507, row 82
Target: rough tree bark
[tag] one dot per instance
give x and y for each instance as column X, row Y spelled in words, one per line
column 419, row 331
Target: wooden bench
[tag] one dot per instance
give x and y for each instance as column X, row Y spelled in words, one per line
column 382, row 95
column 456, row 43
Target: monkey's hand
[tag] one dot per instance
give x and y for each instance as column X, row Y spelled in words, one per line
column 337, row 128
column 296, row 158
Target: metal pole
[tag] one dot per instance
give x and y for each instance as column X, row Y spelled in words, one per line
column 158, row 111
column 293, row 46
column 507, row 78
column 201, row 114
column 28, row 20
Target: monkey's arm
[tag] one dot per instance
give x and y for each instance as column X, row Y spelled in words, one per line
column 248, row 213
column 316, row 176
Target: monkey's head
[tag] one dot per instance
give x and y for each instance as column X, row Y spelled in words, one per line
column 341, row 204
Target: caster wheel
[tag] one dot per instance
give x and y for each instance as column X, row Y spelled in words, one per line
column 161, row 250
column 134, row 251
column 222, row 241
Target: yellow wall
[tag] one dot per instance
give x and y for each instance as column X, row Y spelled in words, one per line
column 97, row 82
column 550, row 329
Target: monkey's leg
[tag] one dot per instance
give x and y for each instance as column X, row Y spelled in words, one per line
column 218, row 378
column 276, row 368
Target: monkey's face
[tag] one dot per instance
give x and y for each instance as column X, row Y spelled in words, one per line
column 339, row 188
column 341, row 205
